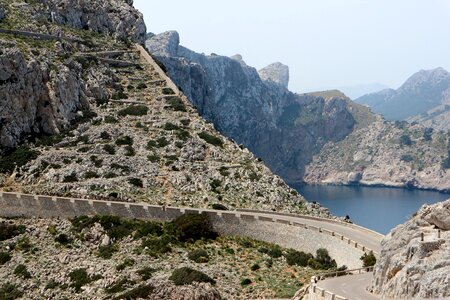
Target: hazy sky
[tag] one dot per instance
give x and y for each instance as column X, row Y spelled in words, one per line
column 325, row 43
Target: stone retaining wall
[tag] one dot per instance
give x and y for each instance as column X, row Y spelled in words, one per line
column 276, row 230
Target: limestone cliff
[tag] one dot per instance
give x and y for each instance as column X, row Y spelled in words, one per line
column 412, row 268
column 256, row 108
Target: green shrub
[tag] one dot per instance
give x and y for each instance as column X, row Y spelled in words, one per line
column 211, row 139
column 215, row 184
column 171, row 126
column 111, row 120
column 51, row 285
column 156, row 246
column 128, row 262
column 255, row 267
column 275, row 251
column 106, row 252
column 176, row 104
column 18, row 158
column 192, row 227
column 21, row 271
column 185, row 122
column 110, row 149
column 120, row 96
column 24, row 244
column 183, row 135
column 136, row 182
column 446, row 162
column 428, row 134
column 146, row 273
column 369, row 260
column 301, row 258
column 124, row 140
column 9, row 292
column 405, row 140
column 245, row 281
column 229, row 251
column 4, row 258
column 129, row 151
column 79, row 278
column 120, row 167
column 269, row 263
column 153, row 158
column 218, row 206
column 167, row 91
column 134, row 110
column 198, row 255
column 140, row 292
column 406, row 158
column 324, row 260
column 115, row 227
column 149, row 228
column 91, row 174
column 8, row 231
column 162, row 142
column 86, row 116
column 117, row 287
column 96, row 161
column 63, row 239
column 183, row 276
column 70, row 178
column 151, row 144
column 141, row 86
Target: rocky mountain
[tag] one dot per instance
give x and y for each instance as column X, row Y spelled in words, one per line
column 412, row 267
column 86, row 113
column 424, row 97
column 255, row 108
column 317, row 138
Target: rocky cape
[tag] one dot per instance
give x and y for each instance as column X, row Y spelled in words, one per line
column 317, row 138
column 255, row 108
column 412, row 268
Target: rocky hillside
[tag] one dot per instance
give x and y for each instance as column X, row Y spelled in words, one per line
column 388, row 154
column 255, row 108
column 112, row 258
column 93, row 117
column 424, row 98
column 409, row 268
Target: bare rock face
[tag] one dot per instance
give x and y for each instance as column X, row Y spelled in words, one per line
column 197, row 291
column 409, row 268
column 276, row 72
column 116, row 17
column 33, row 98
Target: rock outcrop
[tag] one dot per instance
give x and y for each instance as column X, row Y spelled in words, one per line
column 409, row 268
column 276, row 72
column 256, row 109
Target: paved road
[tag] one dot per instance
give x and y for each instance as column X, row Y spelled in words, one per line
column 352, row 287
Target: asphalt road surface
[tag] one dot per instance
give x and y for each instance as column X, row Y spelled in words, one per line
column 352, row 287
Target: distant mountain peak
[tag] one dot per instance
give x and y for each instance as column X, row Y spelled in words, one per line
column 431, row 77
column 276, row 72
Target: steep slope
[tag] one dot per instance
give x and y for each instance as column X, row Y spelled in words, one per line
column 117, row 130
column 255, row 108
column 420, row 96
column 387, row 154
column 410, row 267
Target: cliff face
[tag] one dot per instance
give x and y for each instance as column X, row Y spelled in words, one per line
column 40, row 89
column 409, row 268
column 256, row 108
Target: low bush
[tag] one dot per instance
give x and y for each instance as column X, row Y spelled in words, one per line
column 275, row 251
column 146, row 273
column 18, row 158
column 111, row 120
column 134, row 110
column 171, row 126
column 24, row 244
column 162, row 142
column 4, row 258
column 8, row 231
column 128, row 262
column 183, row 276
column 298, row 258
column 368, row 260
column 156, row 246
column 405, row 140
column 106, row 252
column 70, row 178
column 218, row 206
column 120, row 96
column 129, row 151
column 255, row 267
column 211, row 139
column 21, row 271
column 80, row 277
column 149, row 228
column 136, row 182
column 151, row 144
column 120, row 167
column 167, row 91
column 9, row 291
column 153, row 158
column 90, row 175
column 245, row 281
column 406, row 158
column 124, row 140
column 110, row 149
column 140, row 292
column 176, row 104
column 117, row 287
column 63, row 239
column 192, row 227
column 198, row 255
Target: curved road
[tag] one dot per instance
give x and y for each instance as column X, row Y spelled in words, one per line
column 352, row 287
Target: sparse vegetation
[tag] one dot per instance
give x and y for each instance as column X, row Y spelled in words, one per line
column 18, row 158
column 211, row 139
column 183, row 276
column 9, row 291
column 176, row 104
column 21, row 271
column 80, row 277
column 4, row 258
column 134, row 110
column 368, row 260
column 198, row 256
